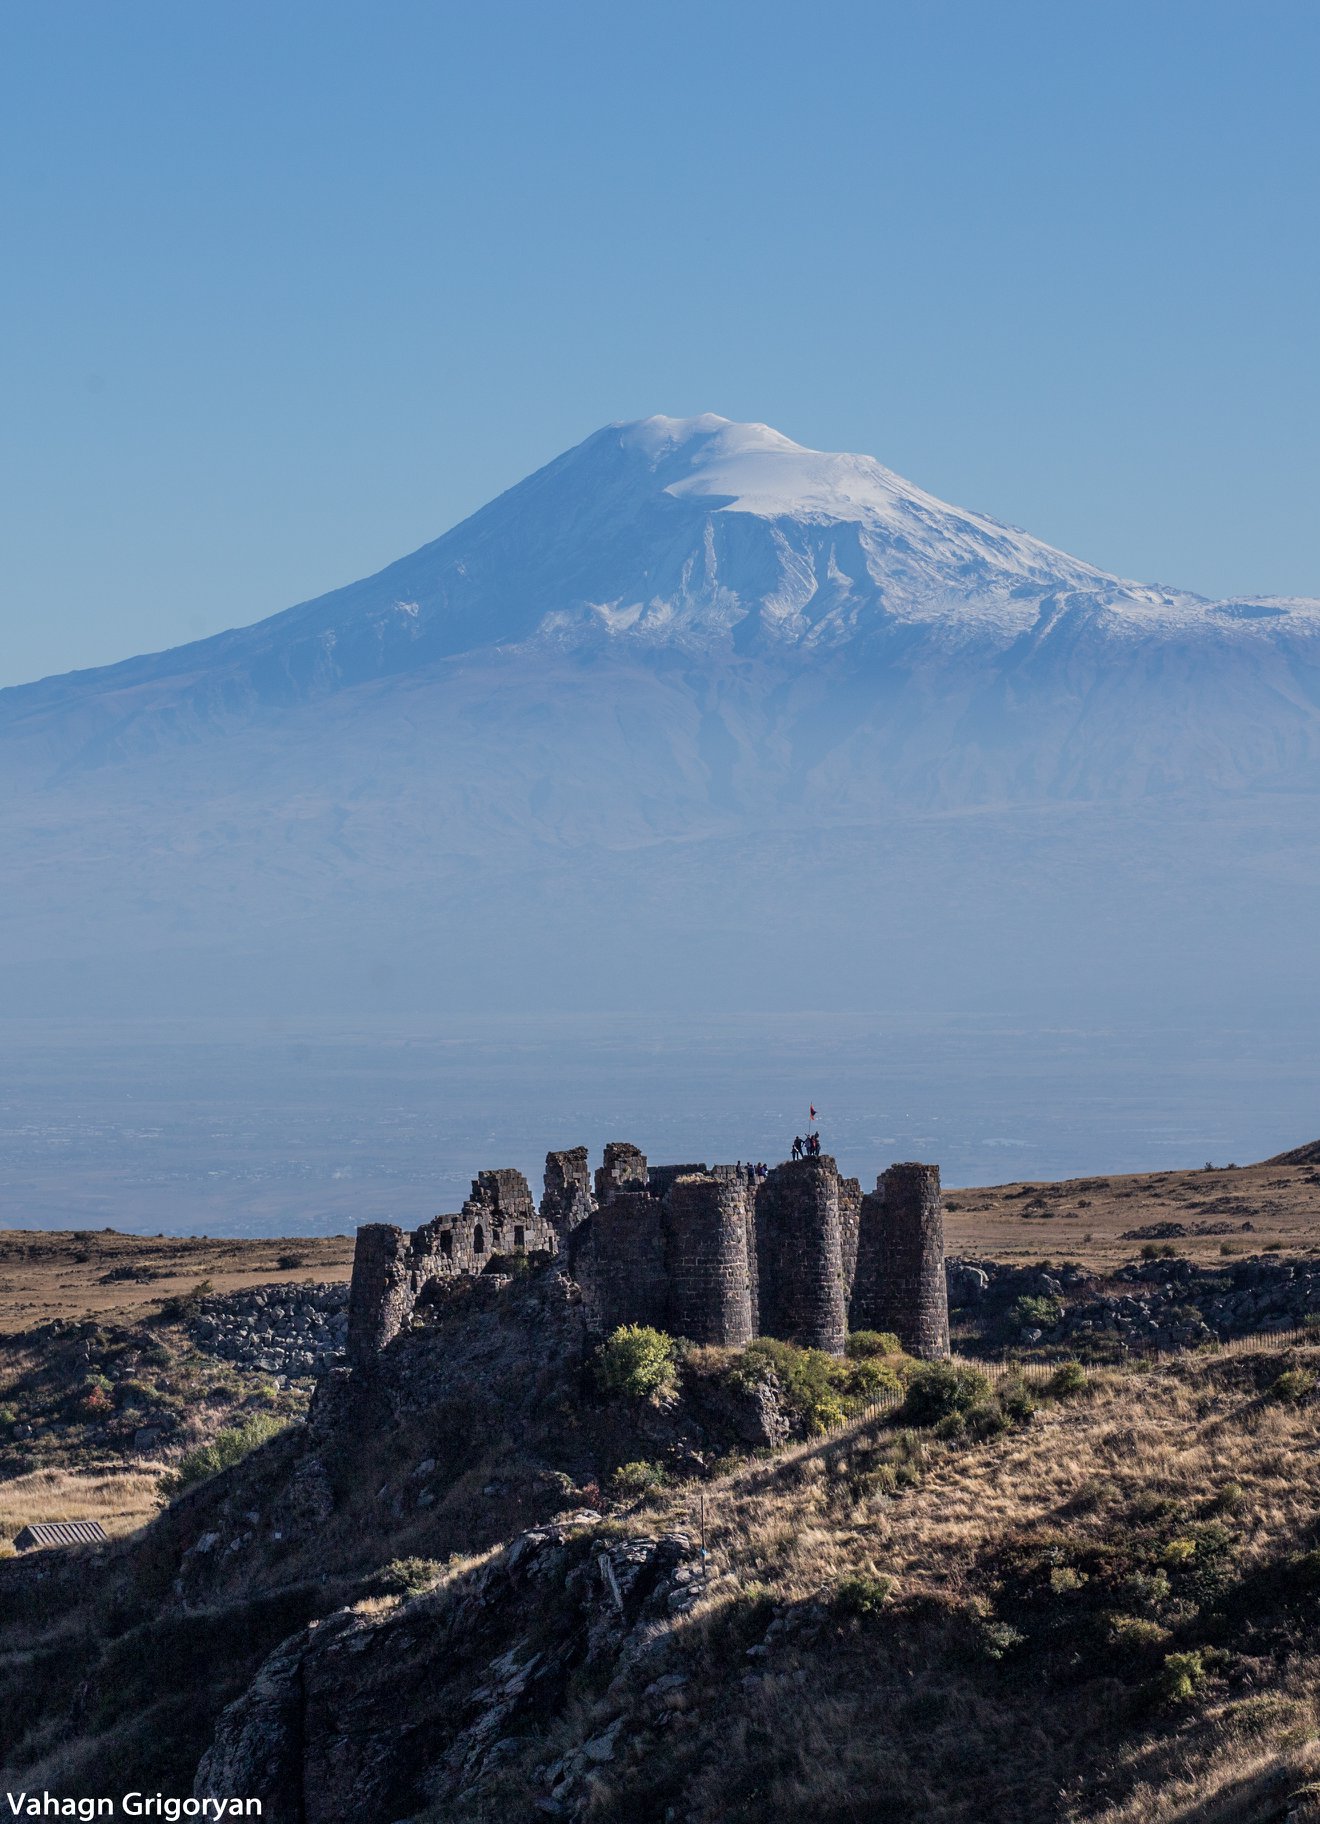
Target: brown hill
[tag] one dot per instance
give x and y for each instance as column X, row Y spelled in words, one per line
column 1300, row 1155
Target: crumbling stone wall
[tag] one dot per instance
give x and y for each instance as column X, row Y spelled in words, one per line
column 567, row 1199
column 624, row 1170
column 380, row 1297
column 392, row 1273
column 662, row 1178
column 619, row 1259
column 850, row 1219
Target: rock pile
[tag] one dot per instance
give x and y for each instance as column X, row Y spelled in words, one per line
column 295, row 1330
column 1162, row 1304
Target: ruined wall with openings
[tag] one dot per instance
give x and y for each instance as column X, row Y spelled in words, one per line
column 394, row 1272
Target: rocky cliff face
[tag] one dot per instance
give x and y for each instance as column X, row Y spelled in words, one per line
column 415, row 1706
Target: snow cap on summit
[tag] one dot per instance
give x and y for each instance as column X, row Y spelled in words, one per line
column 661, row 436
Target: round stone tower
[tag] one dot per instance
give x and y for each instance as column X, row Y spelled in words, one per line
column 800, row 1255
column 710, row 1294
column 910, row 1296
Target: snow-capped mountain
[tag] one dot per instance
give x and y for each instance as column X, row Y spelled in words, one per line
column 699, row 536
column 686, row 648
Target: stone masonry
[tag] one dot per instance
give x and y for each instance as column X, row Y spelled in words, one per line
column 393, row 1272
column 710, row 1253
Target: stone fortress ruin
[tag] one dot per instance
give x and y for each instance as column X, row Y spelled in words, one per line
column 709, row 1253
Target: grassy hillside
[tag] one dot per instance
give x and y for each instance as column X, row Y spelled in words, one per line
column 1093, row 1597
column 497, row 1582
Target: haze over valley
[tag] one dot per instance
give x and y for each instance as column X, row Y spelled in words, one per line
column 698, row 769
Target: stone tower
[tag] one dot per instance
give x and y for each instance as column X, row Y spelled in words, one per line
column 799, row 1249
column 900, row 1283
column 709, row 1262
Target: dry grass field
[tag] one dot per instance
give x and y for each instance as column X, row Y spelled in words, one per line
column 121, row 1498
column 1251, row 1209
column 73, row 1273
column 1060, row 1540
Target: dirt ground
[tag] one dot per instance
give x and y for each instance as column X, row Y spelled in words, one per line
column 1101, row 1222
column 48, row 1273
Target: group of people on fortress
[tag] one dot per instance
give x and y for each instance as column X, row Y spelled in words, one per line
column 808, row 1148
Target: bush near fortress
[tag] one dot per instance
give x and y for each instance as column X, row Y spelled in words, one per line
column 864, row 1345
column 818, row 1389
column 636, row 1361
column 938, row 1390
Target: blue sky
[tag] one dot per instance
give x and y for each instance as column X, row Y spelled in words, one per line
column 290, row 288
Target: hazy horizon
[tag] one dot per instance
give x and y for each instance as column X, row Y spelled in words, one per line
column 232, row 1128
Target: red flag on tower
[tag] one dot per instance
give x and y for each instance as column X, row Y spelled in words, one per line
column 813, row 1111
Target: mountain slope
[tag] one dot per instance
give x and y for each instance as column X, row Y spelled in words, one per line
column 687, row 692
column 716, row 542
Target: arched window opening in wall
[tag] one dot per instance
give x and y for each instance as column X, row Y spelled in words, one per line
column 519, row 1238
column 478, row 1239
column 447, row 1243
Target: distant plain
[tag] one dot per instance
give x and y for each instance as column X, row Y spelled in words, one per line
column 252, row 1130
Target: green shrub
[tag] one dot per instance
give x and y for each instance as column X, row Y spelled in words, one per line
column 1068, row 1378
column 1014, row 1400
column 861, row 1596
column 863, row 1344
column 938, row 1389
column 226, row 1449
column 1135, row 1633
column 288, row 1262
column 999, row 1638
column 1144, row 1589
column 1230, row 1498
column 132, row 1392
column 811, row 1381
column 407, row 1577
column 865, row 1379
column 1035, row 1311
column 1159, row 1250
column 986, row 1419
column 1181, row 1677
column 633, row 1480
column 636, row 1361
column 1293, row 1386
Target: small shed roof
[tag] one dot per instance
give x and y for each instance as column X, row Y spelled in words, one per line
column 60, row 1532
